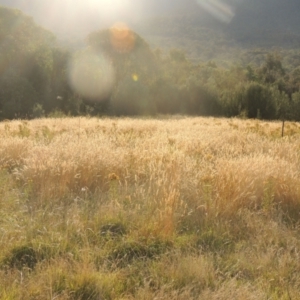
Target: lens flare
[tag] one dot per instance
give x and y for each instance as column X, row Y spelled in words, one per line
column 135, row 77
column 91, row 75
column 220, row 10
column 122, row 38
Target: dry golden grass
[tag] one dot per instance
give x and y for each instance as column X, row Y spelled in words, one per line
column 170, row 208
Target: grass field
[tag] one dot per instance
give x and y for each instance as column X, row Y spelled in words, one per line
column 170, row 208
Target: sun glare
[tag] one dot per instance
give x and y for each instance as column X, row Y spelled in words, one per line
column 80, row 15
column 109, row 5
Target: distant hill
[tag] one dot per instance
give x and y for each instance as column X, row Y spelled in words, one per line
column 221, row 30
column 243, row 15
column 266, row 25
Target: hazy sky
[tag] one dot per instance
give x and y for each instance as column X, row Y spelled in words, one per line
column 84, row 15
column 60, row 13
column 66, row 14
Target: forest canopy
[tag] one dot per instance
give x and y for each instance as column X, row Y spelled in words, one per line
column 117, row 73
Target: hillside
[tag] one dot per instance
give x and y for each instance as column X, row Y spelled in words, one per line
column 199, row 40
column 265, row 25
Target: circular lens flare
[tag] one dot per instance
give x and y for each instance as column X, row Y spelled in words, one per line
column 91, row 75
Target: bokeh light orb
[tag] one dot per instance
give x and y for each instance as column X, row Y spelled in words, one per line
column 135, row 77
column 91, row 75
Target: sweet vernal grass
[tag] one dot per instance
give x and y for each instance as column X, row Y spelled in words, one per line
column 166, row 208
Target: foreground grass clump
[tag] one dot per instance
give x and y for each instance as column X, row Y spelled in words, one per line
column 26, row 256
column 178, row 208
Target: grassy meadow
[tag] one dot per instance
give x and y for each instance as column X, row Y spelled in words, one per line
column 167, row 208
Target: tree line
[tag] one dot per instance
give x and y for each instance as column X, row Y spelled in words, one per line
column 117, row 73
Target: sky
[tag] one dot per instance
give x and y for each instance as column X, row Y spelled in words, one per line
column 86, row 15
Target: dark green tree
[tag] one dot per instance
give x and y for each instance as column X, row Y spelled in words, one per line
column 26, row 63
column 259, row 102
column 17, row 96
column 132, row 98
